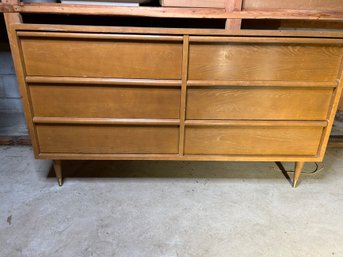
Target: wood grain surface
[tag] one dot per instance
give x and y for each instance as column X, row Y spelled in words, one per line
column 175, row 12
column 105, row 101
column 102, row 58
column 270, row 103
column 194, row 3
column 237, row 61
column 328, row 5
column 250, row 140
column 102, row 139
column 175, row 97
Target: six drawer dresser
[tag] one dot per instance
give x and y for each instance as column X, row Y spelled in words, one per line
column 115, row 93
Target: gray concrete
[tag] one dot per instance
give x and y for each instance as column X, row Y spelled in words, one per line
column 149, row 209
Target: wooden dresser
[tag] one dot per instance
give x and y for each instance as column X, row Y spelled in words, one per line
column 116, row 93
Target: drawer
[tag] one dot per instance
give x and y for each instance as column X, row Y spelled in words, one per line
column 93, row 101
column 252, row 140
column 278, row 103
column 101, row 55
column 107, row 139
column 263, row 61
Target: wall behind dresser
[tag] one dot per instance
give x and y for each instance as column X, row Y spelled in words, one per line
column 9, row 93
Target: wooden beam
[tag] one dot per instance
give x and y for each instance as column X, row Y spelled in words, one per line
column 10, row 2
column 167, row 12
column 6, row 8
column 233, row 5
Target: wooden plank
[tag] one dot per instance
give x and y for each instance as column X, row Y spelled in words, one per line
column 162, row 12
column 6, row 8
column 174, row 12
column 7, row 5
column 194, row 3
column 233, row 5
column 331, row 5
column 10, row 2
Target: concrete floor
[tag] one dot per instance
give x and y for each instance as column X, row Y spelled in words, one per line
column 148, row 209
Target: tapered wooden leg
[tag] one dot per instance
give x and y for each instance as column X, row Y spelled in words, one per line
column 58, row 171
column 298, row 169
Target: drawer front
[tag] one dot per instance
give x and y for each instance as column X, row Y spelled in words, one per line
column 260, row 61
column 251, row 140
column 105, row 101
column 103, row 57
column 106, row 139
column 258, row 103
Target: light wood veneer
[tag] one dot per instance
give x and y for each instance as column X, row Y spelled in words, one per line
column 161, row 94
column 94, row 101
column 104, row 139
column 102, row 56
column 263, row 61
column 252, row 140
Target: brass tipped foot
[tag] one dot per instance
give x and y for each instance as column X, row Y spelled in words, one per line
column 60, row 182
column 295, row 183
column 298, row 168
